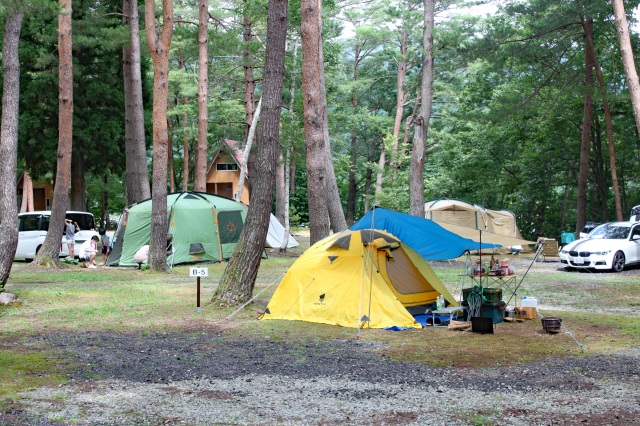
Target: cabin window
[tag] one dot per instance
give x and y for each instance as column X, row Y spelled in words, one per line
column 226, row 167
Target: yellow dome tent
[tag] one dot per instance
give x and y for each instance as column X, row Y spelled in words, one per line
column 362, row 278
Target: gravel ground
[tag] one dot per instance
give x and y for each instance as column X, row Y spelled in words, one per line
column 207, row 378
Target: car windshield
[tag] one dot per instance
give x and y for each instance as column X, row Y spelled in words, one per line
column 611, row 232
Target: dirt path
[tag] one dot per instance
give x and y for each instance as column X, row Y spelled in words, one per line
column 206, row 378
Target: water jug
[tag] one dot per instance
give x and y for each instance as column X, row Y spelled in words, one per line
column 529, row 302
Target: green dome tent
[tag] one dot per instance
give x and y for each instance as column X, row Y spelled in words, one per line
column 204, row 227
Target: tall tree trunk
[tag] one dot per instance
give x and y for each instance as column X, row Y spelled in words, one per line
column 334, row 204
column 50, row 251
column 200, row 169
column 185, row 137
column 288, row 154
column 247, row 59
column 563, row 211
column 78, row 192
column 104, row 220
column 280, row 186
column 600, row 188
column 137, row 171
column 400, row 94
column 542, row 206
column 609, row 128
column 400, row 99
column 185, row 149
column 581, row 212
column 159, row 48
column 416, row 173
column 244, row 167
column 236, row 285
column 27, row 194
column 319, row 226
column 627, row 58
column 382, row 161
column 368, row 179
column 172, row 173
column 9, row 140
column 351, row 195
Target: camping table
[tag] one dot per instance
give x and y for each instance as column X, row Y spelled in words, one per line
column 507, row 283
column 452, row 310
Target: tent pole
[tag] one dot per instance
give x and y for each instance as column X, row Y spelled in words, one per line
column 215, row 215
column 515, row 291
column 480, row 251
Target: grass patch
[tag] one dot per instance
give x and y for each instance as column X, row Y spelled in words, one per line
column 22, row 370
column 601, row 311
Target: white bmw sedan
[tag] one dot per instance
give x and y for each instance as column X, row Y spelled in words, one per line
column 612, row 246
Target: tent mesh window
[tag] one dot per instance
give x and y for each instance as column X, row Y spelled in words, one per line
column 196, row 248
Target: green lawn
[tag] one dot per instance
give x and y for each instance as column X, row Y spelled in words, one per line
column 600, row 310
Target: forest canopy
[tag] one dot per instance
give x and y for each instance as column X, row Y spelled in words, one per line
column 507, row 119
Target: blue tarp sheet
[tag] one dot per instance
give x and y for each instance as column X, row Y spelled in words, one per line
column 426, row 237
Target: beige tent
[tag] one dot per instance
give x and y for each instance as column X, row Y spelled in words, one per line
column 497, row 226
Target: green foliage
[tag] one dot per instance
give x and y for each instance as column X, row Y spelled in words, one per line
column 507, row 111
column 115, row 191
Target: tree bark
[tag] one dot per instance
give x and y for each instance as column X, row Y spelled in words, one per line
column 78, row 192
column 313, row 121
column 288, row 154
column 280, row 186
column 50, row 251
column 325, row 209
column 137, row 171
column 400, row 94
column 185, row 139
column 200, row 169
column 185, row 148
column 609, row 129
column 104, row 220
column 9, row 141
column 244, row 167
column 159, row 48
column 249, row 80
column 27, row 194
column 581, row 212
column 628, row 62
column 382, row 161
column 352, row 192
column 236, row 285
column 337, row 220
column 416, row 173
column 172, row 173
column 400, row 99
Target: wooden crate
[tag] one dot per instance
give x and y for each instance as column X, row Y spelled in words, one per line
column 525, row 312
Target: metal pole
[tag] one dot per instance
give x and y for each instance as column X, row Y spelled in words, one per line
column 198, row 293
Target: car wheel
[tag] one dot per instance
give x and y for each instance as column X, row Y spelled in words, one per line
column 618, row 262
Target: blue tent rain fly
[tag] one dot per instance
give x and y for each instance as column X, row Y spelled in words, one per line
column 426, row 237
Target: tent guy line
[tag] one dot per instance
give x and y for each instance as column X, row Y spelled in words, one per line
column 232, row 314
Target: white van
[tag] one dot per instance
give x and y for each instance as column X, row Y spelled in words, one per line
column 33, row 227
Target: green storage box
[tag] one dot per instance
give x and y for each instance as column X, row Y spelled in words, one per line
column 490, row 294
column 493, row 310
